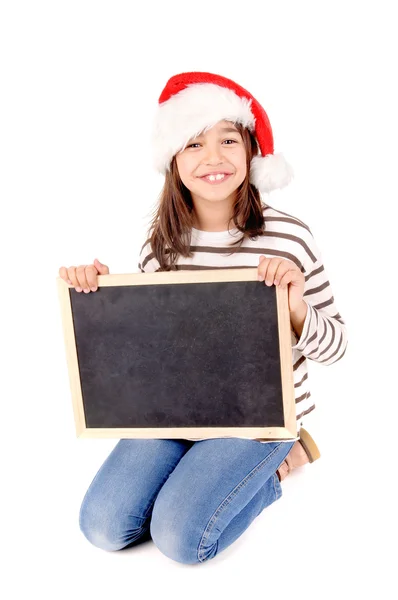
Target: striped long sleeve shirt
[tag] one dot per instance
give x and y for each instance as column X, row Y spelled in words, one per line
column 324, row 335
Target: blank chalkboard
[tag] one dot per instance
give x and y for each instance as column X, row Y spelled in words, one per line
column 180, row 354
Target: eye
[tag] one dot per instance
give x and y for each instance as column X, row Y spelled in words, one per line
column 197, row 143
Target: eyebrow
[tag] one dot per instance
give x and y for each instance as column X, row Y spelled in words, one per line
column 229, row 130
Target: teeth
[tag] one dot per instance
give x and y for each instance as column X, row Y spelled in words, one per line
column 216, row 177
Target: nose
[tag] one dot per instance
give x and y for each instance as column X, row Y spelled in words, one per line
column 213, row 155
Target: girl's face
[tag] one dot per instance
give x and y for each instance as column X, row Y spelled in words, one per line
column 219, row 150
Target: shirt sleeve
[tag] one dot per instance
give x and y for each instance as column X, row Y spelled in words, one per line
column 324, row 335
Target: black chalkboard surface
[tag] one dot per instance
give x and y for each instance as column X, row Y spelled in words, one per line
column 179, row 354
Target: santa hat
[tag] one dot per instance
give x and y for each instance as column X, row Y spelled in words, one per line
column 192, row 103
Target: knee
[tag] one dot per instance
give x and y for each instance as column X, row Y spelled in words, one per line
column 105, row 530
column 174, row 536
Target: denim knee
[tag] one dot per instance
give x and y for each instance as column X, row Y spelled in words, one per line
column 174, row 542
column 109, row 531
column 175, row 537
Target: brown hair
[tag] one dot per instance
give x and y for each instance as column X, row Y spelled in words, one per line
column 172, row 221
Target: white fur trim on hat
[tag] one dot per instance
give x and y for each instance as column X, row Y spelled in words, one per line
column 270, row 172
column 192, row 111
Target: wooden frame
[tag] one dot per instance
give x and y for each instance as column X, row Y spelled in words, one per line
column 220, row 275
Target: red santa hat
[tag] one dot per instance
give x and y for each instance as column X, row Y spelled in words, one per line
column 192, row 103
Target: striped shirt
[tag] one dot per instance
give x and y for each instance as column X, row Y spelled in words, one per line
column 324, row 336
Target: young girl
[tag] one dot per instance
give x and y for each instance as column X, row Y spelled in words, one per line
column 194, row 497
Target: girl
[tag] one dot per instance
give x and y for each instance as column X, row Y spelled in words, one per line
column 194, row 497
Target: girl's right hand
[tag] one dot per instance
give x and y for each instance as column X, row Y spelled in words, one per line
column 84, row 277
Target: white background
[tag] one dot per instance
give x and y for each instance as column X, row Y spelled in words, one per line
column 80, row 83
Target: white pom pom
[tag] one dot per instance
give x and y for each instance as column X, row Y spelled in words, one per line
column 270, row 172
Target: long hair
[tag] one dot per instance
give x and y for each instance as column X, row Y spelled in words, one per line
column 170, row 228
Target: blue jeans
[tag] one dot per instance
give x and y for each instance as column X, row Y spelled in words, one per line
column 193, row 499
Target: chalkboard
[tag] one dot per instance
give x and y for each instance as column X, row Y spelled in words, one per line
column 180, row 354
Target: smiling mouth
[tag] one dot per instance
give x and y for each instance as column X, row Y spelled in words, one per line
column 215, row 179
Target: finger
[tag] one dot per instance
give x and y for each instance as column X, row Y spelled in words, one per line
column 288, row 277
column 63, row 273
column 271, row 270
column 72, row 277
column 81, row 276
column 262, row 267
column 102, row 269
column 91, row 276
column 283, row 268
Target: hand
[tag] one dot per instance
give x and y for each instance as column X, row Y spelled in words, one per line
column 85, row 276
column 283, row 273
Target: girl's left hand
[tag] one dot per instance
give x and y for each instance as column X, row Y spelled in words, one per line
column 281, row 272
